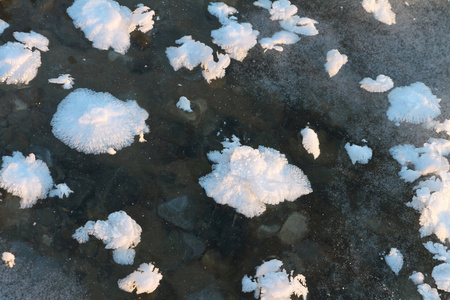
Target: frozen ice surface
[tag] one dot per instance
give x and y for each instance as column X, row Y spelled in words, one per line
column 335, row 61
column 310, row 141
column 382, row 83
column 26, row 177
column 279, row 38
column 94, row 123
column 8, row 259
column 413, row 104
column 184, row 104
column 298, row 25
column 65, row 79
column 271, row 282
column 394, row 260
column 145, row 280
column 3, row 26
column 119, row 232
column 223, row 12
column 282, row 10
column 61, row 190
column 18, row 64
column 248, row 179
column 358, row 154
column 381, row 10
column 107, row 24
column 32, row 40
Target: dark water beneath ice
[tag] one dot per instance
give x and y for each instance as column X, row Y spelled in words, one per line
column 355, row 214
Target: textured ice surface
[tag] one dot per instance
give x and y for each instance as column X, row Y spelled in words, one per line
column 18, row 64
column 65, row 79
column 394, row 260
column 248, row 179
column 93, row 122
column 119, row 232
column 107, row 24
column 145, row 280
column 310, row 141
column 32, row 40
column 382, row 83
column 358, row 154
column 381, row 10
column 335, row 61
column 26, row 177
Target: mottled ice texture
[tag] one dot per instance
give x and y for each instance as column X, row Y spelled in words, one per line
column 93, row 122
column 223, row 12
column 184, row 104
column 248, row 179
column 270, row 282
column 3, row 26
column 358, row 154
column 120, row 233
column 413, row 104
column 192, row 53
column 18, row 64
column 32, row 40
column 66, row 80
column 279, row 38
column 381, row 10
column 310, row 141
column 145, row 280
column 108, row 24
column 26, row 177
column 61, row 190
column 335, row 61
column 303, row 26
column 394, row 260
column 383, row 83
column 8, row 259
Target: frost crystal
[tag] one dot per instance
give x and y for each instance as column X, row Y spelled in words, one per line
column 66, row 80
column 8, row 258
column 394, row 260
column 145, row 280
column 381, row 9
column 383, row 83
column 184, row 104
column 335, row 61
column 310, row 141
column 360, row 154
column 32, row 40
column 18, row 64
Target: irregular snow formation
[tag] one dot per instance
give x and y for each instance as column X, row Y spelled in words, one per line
column 282, row 10
column 108, row 24
column 427, row 292
column 310, row 141
column 394, row 260
column 32, row 40
column 8, row 258
column 184, row 104
column 192, row 53
column 417, row 278
column 335, row 61
column 223, row 12
column 270, row 282
column 61, row 190
column 381, row 10
column 414, row 104
column 3, row 26
column 358, row 154
column 93, row 122
column 28, row 178
column 65, row 79
column 248, row 179
column 280, row 38
column 303, row 26
column 120, row 233
column 18, row 64
column 145, row 280
column 441, row 273
column 383, row 83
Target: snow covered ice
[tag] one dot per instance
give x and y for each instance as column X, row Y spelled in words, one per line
column 248, row 179
column 94, row 122
column 145, row 280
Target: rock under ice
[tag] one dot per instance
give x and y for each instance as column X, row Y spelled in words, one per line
column 8, row 259
column 335, row 61
column 270, row 282
column 65, row 79
column 94, row 123
column 248, row 179
column 394, row 260
column 381, row 10
column 358, row 154
column 107, row 24
column 310, row 141
column 382, row 83
column 145, row 280
column 120, row 233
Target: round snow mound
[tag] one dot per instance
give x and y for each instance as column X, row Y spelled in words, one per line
column 95, row 123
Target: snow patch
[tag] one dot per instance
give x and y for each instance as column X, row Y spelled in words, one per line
column 65, row 79
column 394, row 260
column 310, row 141
column 145, row 280
column 382, row 83
column 358, row 154
column 335, row 61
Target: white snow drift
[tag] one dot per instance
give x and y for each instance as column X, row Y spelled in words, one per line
column 93, row 122
column 145, row 280
column 120, row 233
column 248, row 179
column 108, row 24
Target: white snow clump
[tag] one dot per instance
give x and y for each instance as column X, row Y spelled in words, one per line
column 383, row 83
column 120, row 233
column 3, row 26
column 93, row 122
column 335, row 61
column 358, row 154
column 424, row 289
column 65, row 79
column 394, row 260
column 223, row 12
column 192, row 53
column 271, row 282
column 279, row 38
column 310, row 141
column 32, row 40
column 248, row 179
column 8, row 258
column 184, row 104
column 441, row 273
column 303, row 26
column 61, row 190
column 282, row 10
column 145, row 280
column 108, row 24
column 381, row 10
column 28, row 178
column 414, row 104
